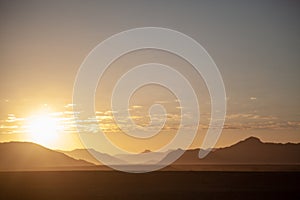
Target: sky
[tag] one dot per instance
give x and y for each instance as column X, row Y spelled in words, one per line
column 254, row 44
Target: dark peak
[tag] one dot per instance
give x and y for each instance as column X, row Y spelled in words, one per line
column 252, row 140
column 146, row 151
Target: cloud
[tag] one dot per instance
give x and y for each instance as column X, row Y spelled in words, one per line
column 250, row 116
column 163, row 102
column 11, row 118
column 242, row 121
column 275, row 125
column 137, row 106
column 70, row 105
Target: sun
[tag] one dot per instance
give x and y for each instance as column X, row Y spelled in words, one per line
column 44, row 129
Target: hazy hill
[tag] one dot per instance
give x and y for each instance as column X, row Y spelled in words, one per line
column 136, row 158
column 119, row 159
column 86, row 155
column 30, row 156
column 249, row 151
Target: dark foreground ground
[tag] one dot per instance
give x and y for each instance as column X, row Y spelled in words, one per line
column 156, row 185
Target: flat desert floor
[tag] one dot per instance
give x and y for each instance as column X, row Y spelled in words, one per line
column 156, row 185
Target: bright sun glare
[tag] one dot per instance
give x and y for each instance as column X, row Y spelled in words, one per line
column 43, row 129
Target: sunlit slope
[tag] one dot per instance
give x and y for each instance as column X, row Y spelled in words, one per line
column 30, row 156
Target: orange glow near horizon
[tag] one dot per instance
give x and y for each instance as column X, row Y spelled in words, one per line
column 44, row 129
column 55, row 128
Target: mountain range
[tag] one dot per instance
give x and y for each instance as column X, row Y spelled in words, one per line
column 30, row 156
column 249, row 151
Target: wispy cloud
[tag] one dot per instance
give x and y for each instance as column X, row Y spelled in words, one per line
column 136, row 106
column 250, row 116
column 272, row 125
column 105, row 120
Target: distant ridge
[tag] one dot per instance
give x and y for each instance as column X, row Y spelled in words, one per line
column 85, row 154
column 248, row 151
column 31, row 156
column 251, row 151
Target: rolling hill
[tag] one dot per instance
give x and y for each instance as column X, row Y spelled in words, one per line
column 85, row 154
column 250, row 151
column 30, row 156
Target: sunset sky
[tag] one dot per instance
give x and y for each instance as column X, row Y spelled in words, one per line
column 255, row 45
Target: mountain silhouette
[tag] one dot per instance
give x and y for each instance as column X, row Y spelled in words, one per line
column 31, row 156
column 90, row 154
column 249, row 151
